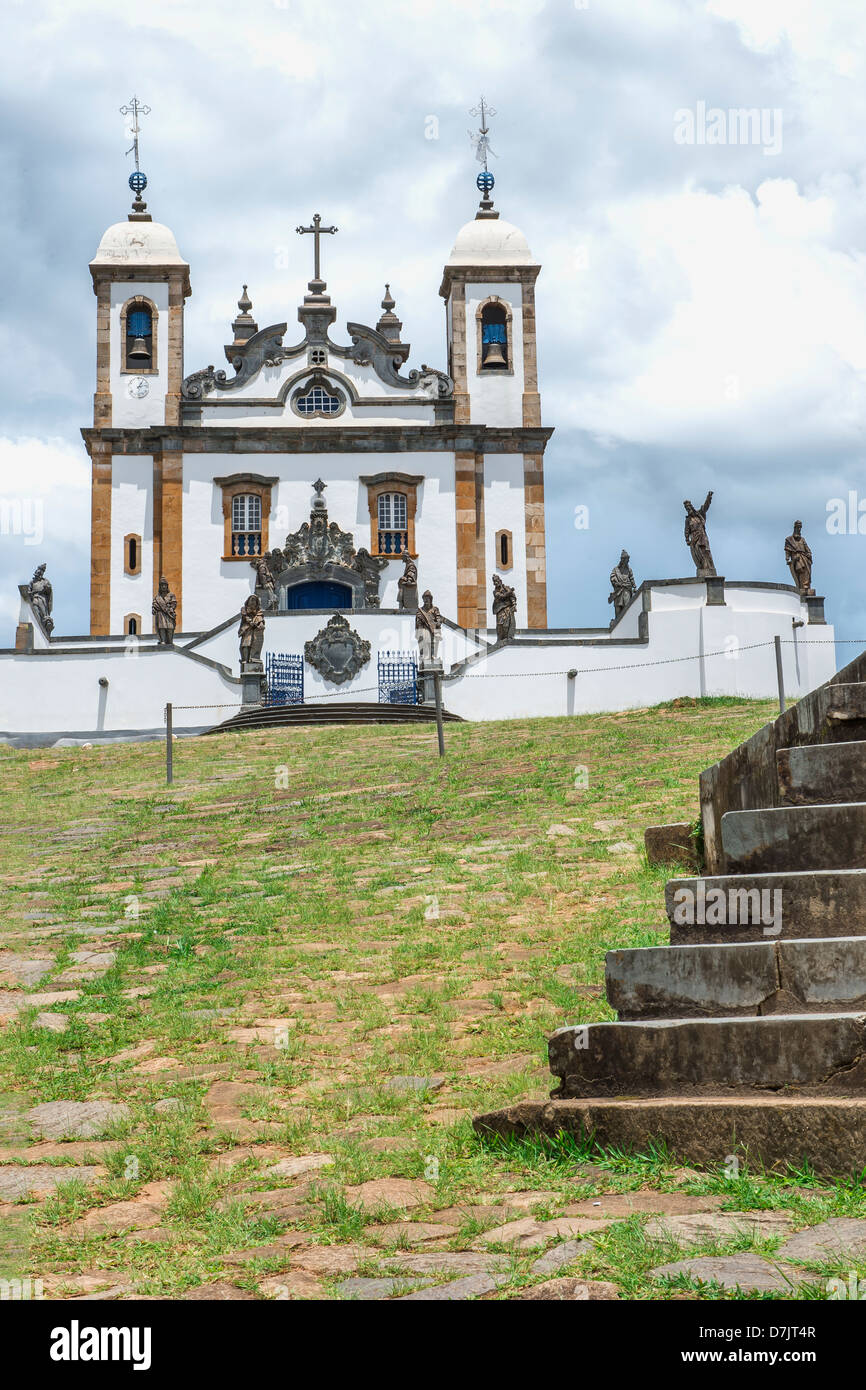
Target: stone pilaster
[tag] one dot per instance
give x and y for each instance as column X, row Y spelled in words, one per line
column 469, row 489
column 174, row 365
column 531, row 398
column 100, row 538
column 102, row 398
column 458, row 353
column 168, row 524
column 536, row 561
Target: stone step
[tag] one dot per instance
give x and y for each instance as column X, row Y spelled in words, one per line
column 777, row 1132
column 808, row 1053
column 330, row 712
column 842, row 712
column 793, row 837
column 822, row 773
column 761, row 907
column 749, row 978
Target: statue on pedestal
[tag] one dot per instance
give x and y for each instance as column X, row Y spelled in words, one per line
column 41, row 597
column 504, row 609
column 696, row 538
column 799, row 559
column 252, row 633
column 407, row 585
column 265, row 580
column 623, row 586
column 164, row 610
column 370, row 568
column 428, row 628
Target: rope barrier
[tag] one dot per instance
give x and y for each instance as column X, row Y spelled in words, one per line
column 581, row 671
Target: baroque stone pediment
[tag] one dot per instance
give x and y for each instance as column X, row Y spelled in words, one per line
column 319, row 543
column 265, row 348
column 337, row 652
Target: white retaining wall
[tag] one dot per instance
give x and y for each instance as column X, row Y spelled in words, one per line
column 728, row 650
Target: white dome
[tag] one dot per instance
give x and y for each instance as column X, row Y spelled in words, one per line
column 138, row 243
column 490, row 241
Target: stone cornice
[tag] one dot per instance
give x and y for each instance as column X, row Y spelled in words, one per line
column 349, row 439
column 487, row 274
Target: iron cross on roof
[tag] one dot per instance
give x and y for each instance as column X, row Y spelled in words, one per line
column 317, row 284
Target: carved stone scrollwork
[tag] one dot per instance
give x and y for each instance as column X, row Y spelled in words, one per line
column 317, row 543
column 431, row 376
column 337, row 652
column 200, row 383
column 371, row 349
column 263, row 349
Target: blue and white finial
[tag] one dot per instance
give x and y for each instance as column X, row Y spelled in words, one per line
column 481, row 144
column 137, row 179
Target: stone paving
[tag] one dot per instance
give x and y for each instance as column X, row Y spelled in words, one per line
column 238, row 1060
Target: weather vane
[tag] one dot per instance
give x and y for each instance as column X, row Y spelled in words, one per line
column 481, row 144
column 137, row 179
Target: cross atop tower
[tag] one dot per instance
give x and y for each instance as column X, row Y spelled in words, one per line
column 481, row 144
column 317, row 284
column 137, row 179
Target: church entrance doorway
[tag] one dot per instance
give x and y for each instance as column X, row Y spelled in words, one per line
column 319, row 593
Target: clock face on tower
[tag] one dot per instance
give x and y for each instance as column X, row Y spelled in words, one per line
column 137, row 387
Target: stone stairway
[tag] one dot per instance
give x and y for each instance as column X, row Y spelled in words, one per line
column 748, row 1032
column 330, row 712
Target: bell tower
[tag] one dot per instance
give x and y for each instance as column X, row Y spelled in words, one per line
column 489, row 290
column 141, row 282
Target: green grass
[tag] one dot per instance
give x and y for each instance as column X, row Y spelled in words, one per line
column 399, row 915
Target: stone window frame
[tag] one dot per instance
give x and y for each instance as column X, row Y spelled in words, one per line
column 501, row 303
column 509, row 542
column 128, row 567
column 132, row 618
column 153, row 369
column 408, row 484
column 245, row 483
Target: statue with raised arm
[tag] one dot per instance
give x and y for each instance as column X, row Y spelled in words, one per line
column 41, row 596
column 252, row 632
column 164, row 610
column 696, row 538
column 428, row 628
column 799, row 559
column 623, row 586
column 504, row 609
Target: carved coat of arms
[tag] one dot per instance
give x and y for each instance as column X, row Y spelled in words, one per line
column 337, row 652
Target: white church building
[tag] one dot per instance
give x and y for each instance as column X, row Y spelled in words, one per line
column 313, row 470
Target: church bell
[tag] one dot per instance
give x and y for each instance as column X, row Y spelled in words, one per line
column 139, row 349
column 494, row 356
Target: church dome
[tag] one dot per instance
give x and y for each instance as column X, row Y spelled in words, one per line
column 490, row 241
column 138, row 243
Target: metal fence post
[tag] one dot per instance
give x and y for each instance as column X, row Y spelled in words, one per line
column 777, row 642
column 169, row 769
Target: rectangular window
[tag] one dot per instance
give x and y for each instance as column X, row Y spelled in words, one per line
column 393, row 524
column 246, row 524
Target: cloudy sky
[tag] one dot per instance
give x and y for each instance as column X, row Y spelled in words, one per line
column 702, row 302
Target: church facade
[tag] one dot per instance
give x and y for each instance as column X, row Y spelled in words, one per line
column 317, row 487
column 201, row 477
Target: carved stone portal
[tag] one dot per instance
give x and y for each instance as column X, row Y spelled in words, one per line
column 337, row 652
column 319, row 549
